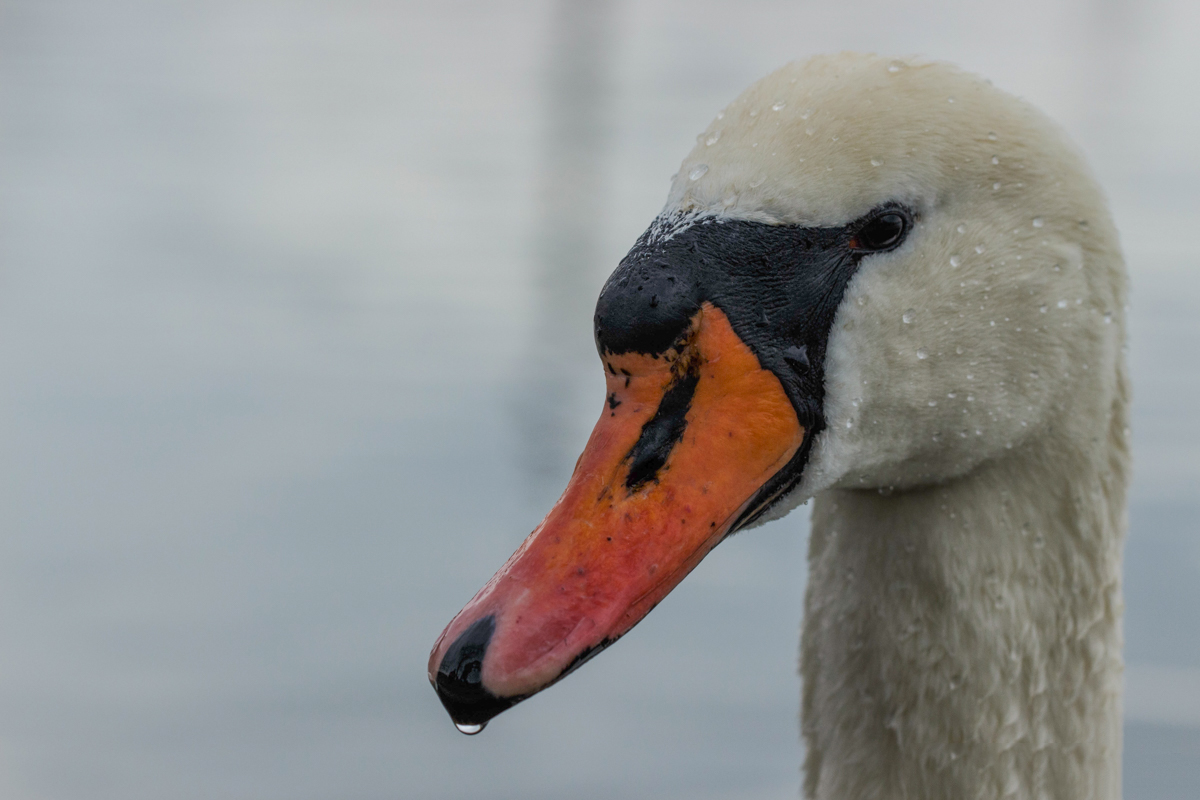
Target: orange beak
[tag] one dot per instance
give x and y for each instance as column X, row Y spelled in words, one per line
column 685, row 441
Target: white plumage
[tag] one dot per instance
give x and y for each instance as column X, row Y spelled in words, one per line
column 962, row 628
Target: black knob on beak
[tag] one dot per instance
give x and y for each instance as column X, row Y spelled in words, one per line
column 646, row 305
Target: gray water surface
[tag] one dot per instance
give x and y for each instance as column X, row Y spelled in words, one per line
column 295, row 346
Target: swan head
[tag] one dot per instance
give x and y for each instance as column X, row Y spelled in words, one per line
column 869, row 274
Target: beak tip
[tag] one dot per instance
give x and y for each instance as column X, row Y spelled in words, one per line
column 459, row 678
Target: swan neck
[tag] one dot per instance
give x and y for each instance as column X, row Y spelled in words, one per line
column 964, row 640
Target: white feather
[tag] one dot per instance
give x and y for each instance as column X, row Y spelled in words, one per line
column 962, row 629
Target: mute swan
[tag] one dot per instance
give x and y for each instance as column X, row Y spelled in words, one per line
column 890, row 287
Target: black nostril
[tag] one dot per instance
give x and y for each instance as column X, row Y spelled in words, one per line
column 459, row 682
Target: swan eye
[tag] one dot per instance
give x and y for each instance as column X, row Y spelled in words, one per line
column 881, row 233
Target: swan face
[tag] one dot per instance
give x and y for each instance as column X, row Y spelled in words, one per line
column 995, row 314
column 868, row 274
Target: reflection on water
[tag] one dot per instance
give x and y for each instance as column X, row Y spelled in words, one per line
column 569, row 263
column 295, row 310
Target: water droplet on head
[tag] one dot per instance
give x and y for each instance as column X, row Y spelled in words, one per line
column 698, row 171
column 995, row 159
column 961, row 229
column 720, row 115
column 992, row 136
column 1043, row 309
column 955, row 260
column 978, row 248
column 922, row 354
column 1061, row 304
column 996, row 186
column 754, row 112
column 949, row 99
column 1107, row 317
column 958, row 349
column 932, row 403
column 896, row 66
column 1038, row 222
column 470, row 729
column 712, row 139
column 909, row 316
column 778, row 106
column 875, row 162
column 952, row 395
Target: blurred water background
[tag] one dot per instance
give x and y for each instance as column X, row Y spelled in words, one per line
column 295, row 349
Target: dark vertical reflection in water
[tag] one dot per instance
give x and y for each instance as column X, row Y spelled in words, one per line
column 1107, row 74
column 554, row 396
